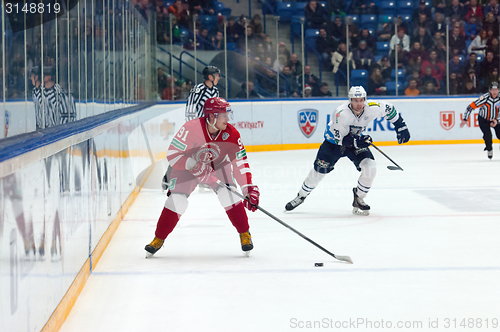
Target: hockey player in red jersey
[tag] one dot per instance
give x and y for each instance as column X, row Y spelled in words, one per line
column 202, row 151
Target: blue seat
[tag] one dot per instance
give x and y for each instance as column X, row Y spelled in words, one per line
column 368, row 21
column 407, row 19
column 405, row 7
column 207, row 21
column 383, row 48
column 401, row 75
column 391, row 88
column 295, row 27
column 231, row 46
column 222, row 9
column 359, row 77
column 385, row 18
column 355, row 19
column 388, row 7
column 427, row 3
column 284, row 11
column 377, row 57
column 479, row 58
column 299, row 8
column 310, row 37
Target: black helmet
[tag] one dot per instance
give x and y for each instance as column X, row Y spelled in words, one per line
column 210, row 70
column 493, row 85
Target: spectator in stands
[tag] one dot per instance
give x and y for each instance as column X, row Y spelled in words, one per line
column 268, row 82
column 437, row 66
column 491, row 23
column 307, row 91
column 180, row 13
column 416, row 51
column 474, row 10
column 218, row 41
column 456, row 65
column 363, row 56
column 491, row 77
column 250, row 39
column 315, row 14
column 279, row 63
column 323, row 90
column 371, row 43
column 204, row 43
column 475, row 79
column 422, row 9
column 428, row 77
column 402, row 39
column 376, row 83
column 336, row 29
column 423, row 21
column 455, row 10
column 309, row 79
column 492, row 7
column 335, row 7
column 282, row 50
column 251, row 92
column 206, row 7
column 415, row 65
column 438, row 25
column 385, row 32
column 488, row 64
column 478, row 45
column 363, row 7
column 457, row 41
column 339, row 61
column 292, row 88
column 454, row 84
column 325, row 46
column 468, row 88
column 295, row 65
column 186, row 87
column 429, row 89
column 471, row 64
column 472, row 28
column 257, row 27
column 412, row 90
column 167, row 91
column 402, row 59
column 492, row 46
column 385, row 67
column 415, row 75
column 268, row 46
column 162, row 79
column 440, row 48
column 261, row 53
column 422, row 36
column 233, row 30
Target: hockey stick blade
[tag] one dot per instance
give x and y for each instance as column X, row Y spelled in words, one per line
column 346, row 259
column 394, row 168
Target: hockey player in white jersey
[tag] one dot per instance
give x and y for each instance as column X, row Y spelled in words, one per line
column 344, row 138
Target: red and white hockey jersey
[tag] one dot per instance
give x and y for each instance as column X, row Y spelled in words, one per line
column 193, row 140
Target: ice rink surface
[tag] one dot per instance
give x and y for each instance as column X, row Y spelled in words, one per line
column 426, row 259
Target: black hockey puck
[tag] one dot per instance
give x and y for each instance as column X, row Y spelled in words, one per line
column 318, row 264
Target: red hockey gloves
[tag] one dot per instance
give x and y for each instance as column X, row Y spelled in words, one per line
column 358, row 142
column 251, row 194
column 202, row 172
column 402, row 131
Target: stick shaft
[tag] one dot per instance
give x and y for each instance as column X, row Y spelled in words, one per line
column 382, row 152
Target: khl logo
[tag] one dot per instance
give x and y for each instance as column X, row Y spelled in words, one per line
column 308, row 120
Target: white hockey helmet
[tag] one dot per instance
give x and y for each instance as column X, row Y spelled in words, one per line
column 357, row 92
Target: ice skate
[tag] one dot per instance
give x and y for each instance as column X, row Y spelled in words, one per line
column 204, row 188
column 246, row 242
column 294, row 203
column 360, row 208
column 153, row 247
column 490, row 154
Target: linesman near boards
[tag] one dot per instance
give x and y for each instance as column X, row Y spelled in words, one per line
column 202, row 151
column 488, row 105
column 344, row 138
column 202, row 92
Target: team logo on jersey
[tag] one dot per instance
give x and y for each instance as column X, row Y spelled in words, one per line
column 207, row 153
column 225, row 136
column 447, row 119
column 308, row 120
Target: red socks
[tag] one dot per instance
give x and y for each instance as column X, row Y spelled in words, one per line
column 238, row 217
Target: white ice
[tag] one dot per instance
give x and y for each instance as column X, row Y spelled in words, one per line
column 426, row 257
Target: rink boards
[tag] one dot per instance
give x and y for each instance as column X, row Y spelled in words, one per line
column 62, row 196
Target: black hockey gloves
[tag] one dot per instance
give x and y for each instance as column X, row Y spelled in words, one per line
column 358, row 142
column 402, row 130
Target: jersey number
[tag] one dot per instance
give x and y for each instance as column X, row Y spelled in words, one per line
column 183, row 135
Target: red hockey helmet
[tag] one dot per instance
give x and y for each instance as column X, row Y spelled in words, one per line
column 215, row 106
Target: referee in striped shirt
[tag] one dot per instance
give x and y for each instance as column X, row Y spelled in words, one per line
column 203, row 91
column 488, row 105
column 53, row 105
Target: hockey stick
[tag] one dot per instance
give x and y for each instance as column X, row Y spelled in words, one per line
column 340, row 258
column 392, row 168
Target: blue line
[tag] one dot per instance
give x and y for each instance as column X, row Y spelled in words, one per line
column 323, row 270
